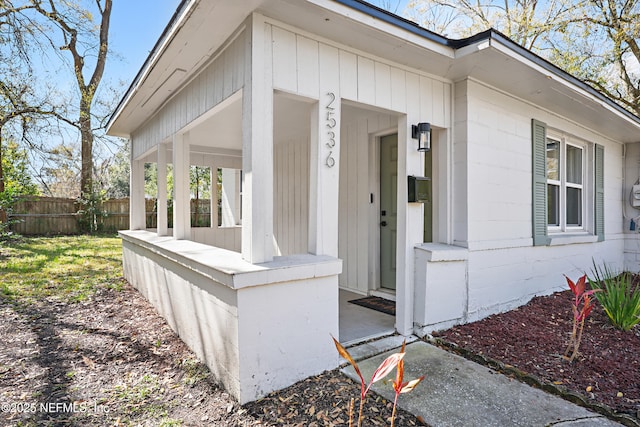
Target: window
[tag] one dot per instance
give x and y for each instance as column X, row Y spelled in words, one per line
column 567, row 186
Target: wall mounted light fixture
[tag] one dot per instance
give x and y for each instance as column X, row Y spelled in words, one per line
column 422, row 132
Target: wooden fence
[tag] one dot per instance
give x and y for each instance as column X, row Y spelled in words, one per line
column 50, row 215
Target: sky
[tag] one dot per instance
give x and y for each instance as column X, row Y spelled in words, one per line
column 136, row 25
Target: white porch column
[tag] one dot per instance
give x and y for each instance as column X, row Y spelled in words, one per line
column 182, row 196
column 163, row 227
column 137, row 214
column 410, row 225
column 230, row 201
column 214, row 194
column 324, row 177
column 257, row 147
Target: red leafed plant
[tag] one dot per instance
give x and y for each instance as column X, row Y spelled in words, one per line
column 402, row 387
column 582, row 306
column 396, row 360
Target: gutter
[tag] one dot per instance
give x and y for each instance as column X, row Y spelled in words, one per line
column 490, row 36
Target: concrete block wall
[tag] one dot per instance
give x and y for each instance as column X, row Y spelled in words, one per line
column 492, row 205
column 441, row 293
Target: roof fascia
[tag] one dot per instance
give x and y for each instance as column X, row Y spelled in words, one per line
column 490, row 36
column 388, row 17
column 182, row 11
column 547, row 66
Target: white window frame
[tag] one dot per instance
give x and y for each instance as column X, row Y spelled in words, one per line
column 587, row 171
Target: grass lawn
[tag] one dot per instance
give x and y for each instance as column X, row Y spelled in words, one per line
column 70, row 268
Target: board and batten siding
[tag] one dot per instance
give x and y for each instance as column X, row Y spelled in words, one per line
column 291, row 197
column 356, row 212
column 223, row 77
column 297, row 59
column 366, row 80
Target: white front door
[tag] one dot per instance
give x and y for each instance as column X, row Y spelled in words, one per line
column 388, row 210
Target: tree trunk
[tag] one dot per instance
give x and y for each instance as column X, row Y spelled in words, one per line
column 3, row 213
column 86, row 135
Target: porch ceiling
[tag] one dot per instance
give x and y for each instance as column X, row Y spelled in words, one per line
column 221, row 130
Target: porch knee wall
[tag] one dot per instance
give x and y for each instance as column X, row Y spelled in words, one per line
column 259, row 330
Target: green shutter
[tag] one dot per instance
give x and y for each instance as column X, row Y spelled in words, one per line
column 599, row 192
column 539, row 185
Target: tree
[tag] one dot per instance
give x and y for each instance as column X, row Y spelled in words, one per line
column 526, row 22
column 15, row 93
column 16, row 180
column 60, row 175
column 117, row 174
column 74, row 24
column 595, row 40
column 200, row 186
column 600, row 45
column 12, row 105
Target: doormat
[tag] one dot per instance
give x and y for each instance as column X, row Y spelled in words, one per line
column 376, row 303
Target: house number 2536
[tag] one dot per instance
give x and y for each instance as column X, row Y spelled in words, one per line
column 331, row 123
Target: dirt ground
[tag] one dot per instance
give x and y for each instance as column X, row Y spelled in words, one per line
column 112, row 361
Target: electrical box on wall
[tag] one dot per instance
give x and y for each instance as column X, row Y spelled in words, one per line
column 419, row 189
column 635, row 196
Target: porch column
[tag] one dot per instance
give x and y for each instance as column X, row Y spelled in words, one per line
column 182, row 196
column 137, row 214
column 257, row 147
column 410, row 224
column 214, row 194
column 230, row 203
column 163, row 227
column 325, row 158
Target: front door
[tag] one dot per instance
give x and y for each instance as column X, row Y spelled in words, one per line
column 388, row 210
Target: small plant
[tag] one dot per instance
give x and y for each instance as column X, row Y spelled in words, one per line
column 617, row 296
column 582, row 306
column 391, row 362
column 91, row 214
column 399, row 387
column 8, row 200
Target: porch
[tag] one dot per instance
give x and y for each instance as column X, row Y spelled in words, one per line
column 308, row 198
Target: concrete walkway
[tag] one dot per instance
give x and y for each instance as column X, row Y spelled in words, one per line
column 459, row 393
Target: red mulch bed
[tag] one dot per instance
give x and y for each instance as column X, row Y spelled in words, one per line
column 533, row 339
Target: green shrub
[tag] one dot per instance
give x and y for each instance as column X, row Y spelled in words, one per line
column 619, row 298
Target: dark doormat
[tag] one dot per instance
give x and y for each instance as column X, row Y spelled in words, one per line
column 376, row 303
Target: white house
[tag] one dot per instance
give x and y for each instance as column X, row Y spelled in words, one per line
column 305, row 109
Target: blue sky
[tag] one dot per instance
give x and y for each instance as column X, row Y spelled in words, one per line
column 136, row 25
column 395, row 6
column 135, row 28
